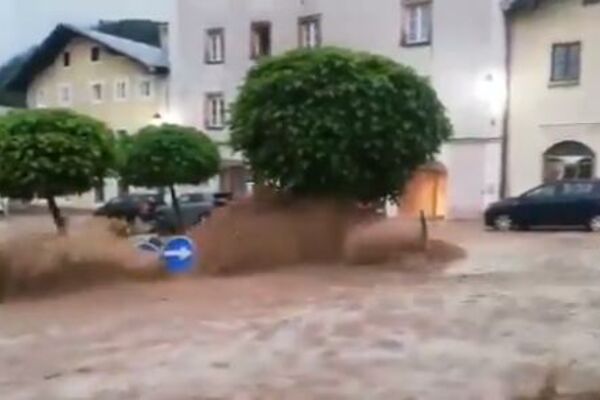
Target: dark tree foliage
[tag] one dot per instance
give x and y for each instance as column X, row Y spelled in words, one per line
column 50, row 153
column 337, row 123
column 169, row 155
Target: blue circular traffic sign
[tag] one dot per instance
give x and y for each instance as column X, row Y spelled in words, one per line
column 179, row 255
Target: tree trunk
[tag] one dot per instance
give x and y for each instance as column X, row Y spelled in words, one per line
column 424, row 231
column 177, row 209
column 59, row 220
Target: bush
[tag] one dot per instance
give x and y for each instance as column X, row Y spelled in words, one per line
column 49, row 153
column 336, row 122
column 168, row 155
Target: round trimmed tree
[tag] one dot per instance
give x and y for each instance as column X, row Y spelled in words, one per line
column 332, row 122
column 168, row 155
column 50, row 153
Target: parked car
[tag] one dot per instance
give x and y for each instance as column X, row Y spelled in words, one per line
column 195, row 208
column 566, row 203
column 131, row 206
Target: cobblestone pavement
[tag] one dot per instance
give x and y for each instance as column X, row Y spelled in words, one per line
column 488, row 327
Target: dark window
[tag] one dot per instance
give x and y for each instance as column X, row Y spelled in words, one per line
column 193, row 198
column 66, row 59
column 578, row 188
column 309, row 32
column 568, row 160
column 95, row 54
column 542, row 192
column 566, row 62
column 99, row 195
column 260, row 41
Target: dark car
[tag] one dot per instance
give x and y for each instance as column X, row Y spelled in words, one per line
column 566, row 203
column 195, row 208
column 131, row 206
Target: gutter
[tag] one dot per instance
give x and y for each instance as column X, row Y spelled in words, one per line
column 504, row 182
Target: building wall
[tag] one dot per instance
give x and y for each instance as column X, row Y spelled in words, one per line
column 465, row 63
column 4, row 110
column 130, row 114
column 542, row 114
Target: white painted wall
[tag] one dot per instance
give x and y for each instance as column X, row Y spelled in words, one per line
column 542, row 115
column 465, row 64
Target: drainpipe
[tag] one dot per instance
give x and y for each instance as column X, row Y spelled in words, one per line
column 504, row 183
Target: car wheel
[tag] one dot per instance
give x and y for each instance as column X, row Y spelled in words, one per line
column 594, row 224
column 503, row 223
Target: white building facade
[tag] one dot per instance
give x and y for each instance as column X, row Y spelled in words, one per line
column 554, row 130
column 458, row 44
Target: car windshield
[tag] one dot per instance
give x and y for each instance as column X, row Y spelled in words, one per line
column 541, row 192
column 193, row 198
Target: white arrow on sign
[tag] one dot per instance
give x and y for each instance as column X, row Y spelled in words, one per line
column 182, row 253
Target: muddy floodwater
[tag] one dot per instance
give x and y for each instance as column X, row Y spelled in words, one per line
column 488, row 327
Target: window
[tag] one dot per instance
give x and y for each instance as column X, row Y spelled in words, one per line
column 309, row 32
column 566, row 62
column 260, row 41
column 99, row 194
column 95, row 54
column 97, row 92
column 215, row 46
column 568, row 160
column 194, row 198
column 65, row 95
column 40, row 98
column 542, row 192
column 66, row 58
column 577, row 188
column 417, row 23
column 145, row 88
column 121, row 90
column 215, row 111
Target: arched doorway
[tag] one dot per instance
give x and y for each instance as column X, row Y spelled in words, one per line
column 569, row 160
column 426, row 192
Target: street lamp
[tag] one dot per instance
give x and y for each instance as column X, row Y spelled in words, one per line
column 157, row 119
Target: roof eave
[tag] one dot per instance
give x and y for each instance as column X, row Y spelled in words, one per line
column 51, row 47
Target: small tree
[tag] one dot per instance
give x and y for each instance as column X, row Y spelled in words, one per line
column 50, row 153
column 168, row 155
column 337, row 123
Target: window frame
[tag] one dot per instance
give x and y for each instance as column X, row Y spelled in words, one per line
column 554, row 80
column 66, row 59
column 116, row 96
column 209, row 57
column 254, row 54
column 140, row 94
column 61, row 102
column 423, row 39
column 102, row 92
column 92, row 49
column 40, row 98
column 307, row 21
column 209, row 123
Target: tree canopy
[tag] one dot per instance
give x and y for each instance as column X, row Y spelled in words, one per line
column 49, row 153
column 161, row 156
column 335, row 122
